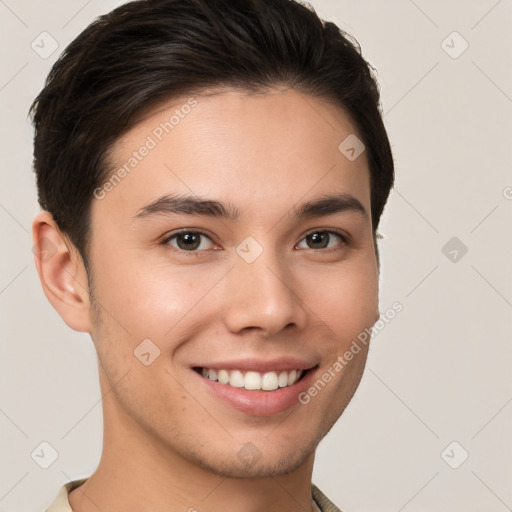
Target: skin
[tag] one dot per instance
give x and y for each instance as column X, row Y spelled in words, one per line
column 169, row 443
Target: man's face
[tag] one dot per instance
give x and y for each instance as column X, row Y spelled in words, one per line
column 264, row 294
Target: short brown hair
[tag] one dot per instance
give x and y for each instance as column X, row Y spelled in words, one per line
column 146, row 51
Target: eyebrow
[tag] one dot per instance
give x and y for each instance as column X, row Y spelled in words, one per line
column 169, row 204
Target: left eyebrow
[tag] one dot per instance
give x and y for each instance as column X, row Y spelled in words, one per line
column 329, row 205
column 194, row 205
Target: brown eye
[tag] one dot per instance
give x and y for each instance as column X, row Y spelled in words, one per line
column 322, row 239
column 188, row 241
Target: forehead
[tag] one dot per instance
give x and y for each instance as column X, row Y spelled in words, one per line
column 243, row 148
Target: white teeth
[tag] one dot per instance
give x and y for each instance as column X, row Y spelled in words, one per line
column 223, row 377
column 268, row 381
column 252, row 380
column 236, row 379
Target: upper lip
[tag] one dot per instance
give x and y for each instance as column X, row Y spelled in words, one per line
column 260, row 365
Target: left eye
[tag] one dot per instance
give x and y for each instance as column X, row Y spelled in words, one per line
column 322, row 239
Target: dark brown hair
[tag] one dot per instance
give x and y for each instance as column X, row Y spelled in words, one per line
column 145, row 51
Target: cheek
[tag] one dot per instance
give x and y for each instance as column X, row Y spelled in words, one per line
column 346, row 300
column 152, row 301
column 147, row 296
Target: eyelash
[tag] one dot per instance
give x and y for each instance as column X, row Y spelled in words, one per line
column 344, row 240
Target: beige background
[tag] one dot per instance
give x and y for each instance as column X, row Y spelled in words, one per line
column 438, row 373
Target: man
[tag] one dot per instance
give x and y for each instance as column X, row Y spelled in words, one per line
column 212, row 174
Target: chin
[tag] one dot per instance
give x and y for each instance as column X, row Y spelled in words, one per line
column 262, row 468
column 255, row 463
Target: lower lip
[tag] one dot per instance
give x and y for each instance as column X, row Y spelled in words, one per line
column 259, row 403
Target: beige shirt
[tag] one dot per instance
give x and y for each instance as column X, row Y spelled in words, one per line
column 61, row 502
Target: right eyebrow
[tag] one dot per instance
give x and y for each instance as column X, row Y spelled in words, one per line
column 188, row 205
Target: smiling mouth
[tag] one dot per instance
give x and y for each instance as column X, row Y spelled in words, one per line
column 253, row 381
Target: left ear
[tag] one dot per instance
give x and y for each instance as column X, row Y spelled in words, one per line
column 62, row 273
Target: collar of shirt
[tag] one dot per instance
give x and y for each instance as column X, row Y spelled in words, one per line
column 61, row 503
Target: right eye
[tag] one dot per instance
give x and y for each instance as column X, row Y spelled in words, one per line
column 188, row 241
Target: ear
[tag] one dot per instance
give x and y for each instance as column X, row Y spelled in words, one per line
column 377, row 236
column 62, row 273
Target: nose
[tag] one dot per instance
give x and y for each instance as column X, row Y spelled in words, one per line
column 264, row 296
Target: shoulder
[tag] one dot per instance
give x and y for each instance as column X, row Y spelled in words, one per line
column 325, row 504
column 61, row 502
